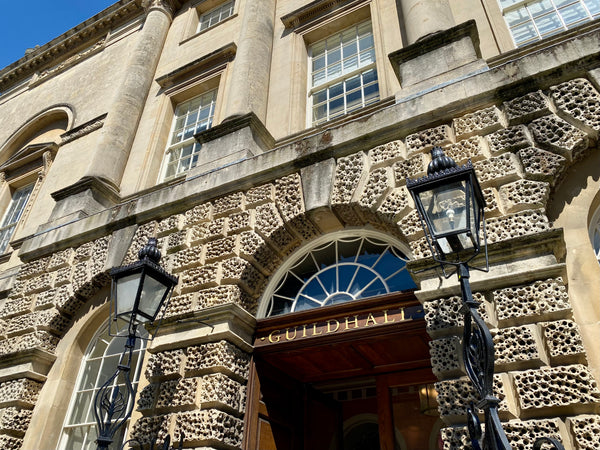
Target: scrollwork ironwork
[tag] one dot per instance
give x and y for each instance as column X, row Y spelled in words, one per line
column 113, row 404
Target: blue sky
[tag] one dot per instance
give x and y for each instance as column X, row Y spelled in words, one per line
column 27, row 23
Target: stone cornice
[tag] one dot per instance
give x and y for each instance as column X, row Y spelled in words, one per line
column 61, row 48
column 201, row 65
column 317, row 9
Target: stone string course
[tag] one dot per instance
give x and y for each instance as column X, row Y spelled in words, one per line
column 226, row 250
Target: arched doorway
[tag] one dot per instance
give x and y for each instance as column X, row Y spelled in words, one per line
column 347, row 374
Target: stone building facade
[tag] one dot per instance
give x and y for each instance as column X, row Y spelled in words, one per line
column 252, row 138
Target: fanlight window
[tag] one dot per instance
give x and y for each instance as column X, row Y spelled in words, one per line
column 338, row 271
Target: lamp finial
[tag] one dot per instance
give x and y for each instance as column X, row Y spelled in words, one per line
column 439, row 161
column 150, row 251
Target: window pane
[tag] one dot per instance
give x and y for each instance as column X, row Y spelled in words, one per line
column 197, row 114
column 517, row 16
column 524, row 33
column 593, row 6
column 573, row 14
column 216, row 15
column 13, row 214
column 548, row 24
column 335, row 58
column 538, row 8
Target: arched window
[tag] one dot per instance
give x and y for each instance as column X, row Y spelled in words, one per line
column 97, row 366
column 338, row 268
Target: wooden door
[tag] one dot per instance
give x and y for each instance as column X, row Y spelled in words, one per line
column 323, row 421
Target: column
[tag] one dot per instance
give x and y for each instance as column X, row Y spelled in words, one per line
column 423, row 17
column 118, row 132
column 249, row 82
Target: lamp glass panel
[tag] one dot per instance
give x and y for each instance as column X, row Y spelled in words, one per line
column 127, row 288
column 152, row 295
column 444, row 207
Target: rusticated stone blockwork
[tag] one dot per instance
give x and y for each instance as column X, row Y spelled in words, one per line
column 444, row 316
column 152, row 428
column 177, row 394
column 386, row 154
column 580, row 100
column 509, row 139
column 446, row 356
column 465, row 150
column 526, row 108
column 520, row 224
column 209, row 427
column 523, row 434
column 563, row 341
column 221, row 392
column 480, row 122
column 21, row 392
column 571, row 389
column 454, row 396
column 10, row 443
column 517, row 347
column 542, row 165
column 217, row 357
column 559, row 136
column 530, row 303
column 586, row 431
column 427, row 139
column 15, row 420
column 165, row 364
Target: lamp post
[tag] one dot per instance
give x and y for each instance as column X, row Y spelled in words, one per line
column 138, row 292
column 450, row 205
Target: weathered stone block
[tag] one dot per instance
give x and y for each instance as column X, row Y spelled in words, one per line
column 509, row 139
column 165, row 365
column 524, row 194
column 427, row 139
column 386, row 154
column 542, row 165
column 559, row 136
column 518, row 348
column 217, row 357
column 480, row 122
column 563, row 342
column 542, row 300
column 556, row 391
column 526, row 108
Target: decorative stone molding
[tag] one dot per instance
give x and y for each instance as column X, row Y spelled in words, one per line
column 82, row 130
column 40, row 77
column 63, row 46
column 170, row 7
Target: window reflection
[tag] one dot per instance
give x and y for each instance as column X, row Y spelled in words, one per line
column 342, row 270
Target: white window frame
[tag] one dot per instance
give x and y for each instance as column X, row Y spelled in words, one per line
column 19, row 199
column 510, row 6
column 342, row 78
column 187, row 143
column 103, row 333
column 225, row 11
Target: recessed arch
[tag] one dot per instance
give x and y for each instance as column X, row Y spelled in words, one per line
column 44, row 127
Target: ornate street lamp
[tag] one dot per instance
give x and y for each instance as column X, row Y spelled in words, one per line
column 450, row 204
column 138, row 292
